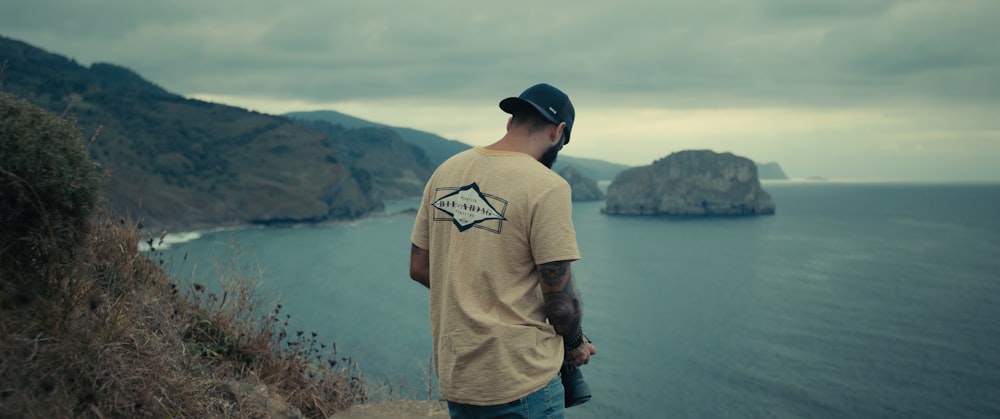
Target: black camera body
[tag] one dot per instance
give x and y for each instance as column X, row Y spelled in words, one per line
column 576, row 389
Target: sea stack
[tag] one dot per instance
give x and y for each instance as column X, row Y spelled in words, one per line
column 691, row 182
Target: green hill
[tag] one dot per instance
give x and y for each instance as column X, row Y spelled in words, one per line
column 186, row 164
column 437, row 148
column 397, row 169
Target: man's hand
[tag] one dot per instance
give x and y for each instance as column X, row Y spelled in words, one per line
column 581, row 355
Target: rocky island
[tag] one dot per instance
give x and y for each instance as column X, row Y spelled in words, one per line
column 692, row 182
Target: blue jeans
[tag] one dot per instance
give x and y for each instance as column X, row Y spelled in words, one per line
column 547, row 402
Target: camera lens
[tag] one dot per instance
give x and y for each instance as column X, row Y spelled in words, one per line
column 576, row 389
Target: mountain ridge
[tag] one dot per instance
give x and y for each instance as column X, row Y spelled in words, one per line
column 183, row 164
column 438, row 148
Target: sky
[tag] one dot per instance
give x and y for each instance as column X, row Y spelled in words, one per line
column 896, row 90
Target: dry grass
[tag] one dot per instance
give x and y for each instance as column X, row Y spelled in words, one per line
column 92, row 327
column 115, row 336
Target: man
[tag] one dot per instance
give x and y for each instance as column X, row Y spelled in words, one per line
column 493, row 241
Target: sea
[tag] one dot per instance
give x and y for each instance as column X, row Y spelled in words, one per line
column 855, row 300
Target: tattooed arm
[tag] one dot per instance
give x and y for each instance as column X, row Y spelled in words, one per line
column 420, row 265
column 562, row 306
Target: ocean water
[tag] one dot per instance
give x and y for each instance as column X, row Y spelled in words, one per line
column 856, row 300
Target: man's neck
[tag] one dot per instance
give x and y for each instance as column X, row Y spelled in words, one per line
column 516, row 143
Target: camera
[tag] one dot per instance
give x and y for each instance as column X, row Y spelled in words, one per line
column 576, row 389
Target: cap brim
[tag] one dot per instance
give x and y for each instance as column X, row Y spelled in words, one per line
column 514, row 105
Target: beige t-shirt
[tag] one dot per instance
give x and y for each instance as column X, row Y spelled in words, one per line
column 487, row 218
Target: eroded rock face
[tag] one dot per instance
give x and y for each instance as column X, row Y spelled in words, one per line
column 692, row 182
column 584, row 188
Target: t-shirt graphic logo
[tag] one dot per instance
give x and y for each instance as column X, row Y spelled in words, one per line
column 468, row 207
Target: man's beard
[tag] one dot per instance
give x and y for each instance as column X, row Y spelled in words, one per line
column 549, row 157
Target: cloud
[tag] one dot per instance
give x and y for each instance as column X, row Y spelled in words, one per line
column 740, row 74
column 672, row 53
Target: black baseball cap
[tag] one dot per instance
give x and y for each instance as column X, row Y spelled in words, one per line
column 547, row 100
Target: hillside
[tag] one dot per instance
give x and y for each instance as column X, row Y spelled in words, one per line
column 185, row 164
column 439, row 149
column 595, row 169
column 397, row 169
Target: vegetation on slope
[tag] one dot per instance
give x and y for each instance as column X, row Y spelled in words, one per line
column 92, row 327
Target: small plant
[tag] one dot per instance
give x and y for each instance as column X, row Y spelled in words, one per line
column 237, row 330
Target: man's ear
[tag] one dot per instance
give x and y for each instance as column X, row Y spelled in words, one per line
column 558, row 132
column 509, row 122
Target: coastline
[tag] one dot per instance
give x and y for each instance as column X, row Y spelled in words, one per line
column 391, row 208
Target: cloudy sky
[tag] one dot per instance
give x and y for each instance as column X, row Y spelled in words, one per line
column 845, row 89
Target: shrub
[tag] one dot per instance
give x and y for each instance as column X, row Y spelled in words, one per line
column 48, row 188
